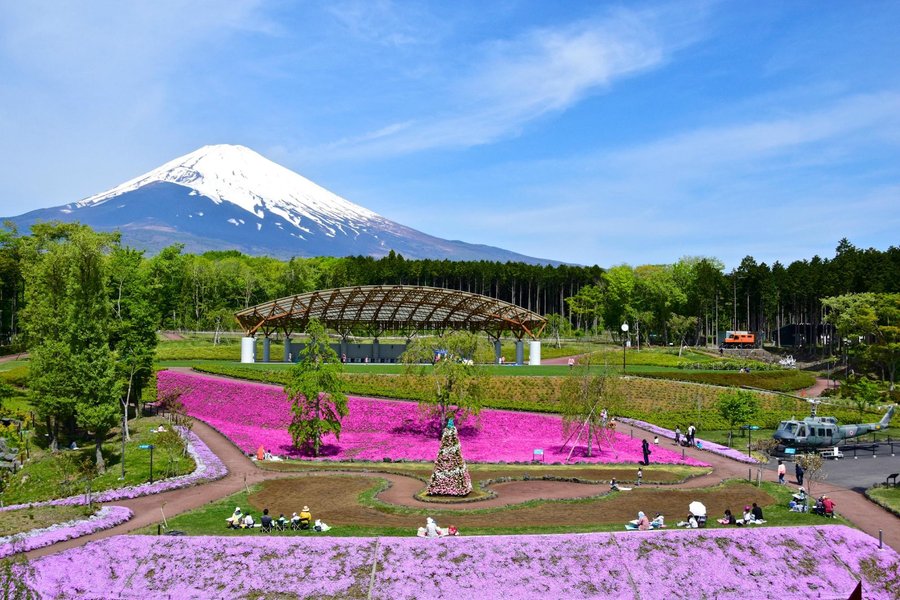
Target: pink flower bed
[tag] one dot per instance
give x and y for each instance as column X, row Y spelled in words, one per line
column 778, row 562
column 253, row 415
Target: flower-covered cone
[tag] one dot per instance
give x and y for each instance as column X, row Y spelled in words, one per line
column 451, row 475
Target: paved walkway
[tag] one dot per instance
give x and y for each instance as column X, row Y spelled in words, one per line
column 242, row 472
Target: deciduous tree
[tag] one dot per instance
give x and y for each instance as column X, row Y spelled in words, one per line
column 315, row 390
column 451, row 363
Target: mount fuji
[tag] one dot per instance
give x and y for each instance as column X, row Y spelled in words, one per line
column 227, row 197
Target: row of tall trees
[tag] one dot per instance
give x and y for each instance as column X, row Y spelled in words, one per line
column 695, row 298
column 89, row 316
column 691, row 299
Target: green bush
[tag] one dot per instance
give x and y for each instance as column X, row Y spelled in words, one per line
column 17, row 376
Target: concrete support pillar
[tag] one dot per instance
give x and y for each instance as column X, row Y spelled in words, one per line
column 520, row 352
column 288, row 352
column 248, row 349
column 376, row 351
column 534, row 352
column 498, row 351
column 267, row 347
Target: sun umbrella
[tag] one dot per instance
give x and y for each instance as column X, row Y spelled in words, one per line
column 697, row 509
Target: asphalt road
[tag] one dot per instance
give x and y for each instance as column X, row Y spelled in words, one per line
column 859, row 473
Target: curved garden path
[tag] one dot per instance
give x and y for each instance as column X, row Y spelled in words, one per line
column 242, row 472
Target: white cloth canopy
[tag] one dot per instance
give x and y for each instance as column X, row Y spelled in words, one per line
column 697, row 509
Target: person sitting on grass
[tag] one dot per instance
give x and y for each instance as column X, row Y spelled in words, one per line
column 295, row 521
column 642, row 523
column 305, row 518
column 758, row 514
column 234, row 521
column 248, row 522
column 281, row 521
column 658, row 522
column 432, row 529
column 691, row 523
column 266, row 520
column 728, row 519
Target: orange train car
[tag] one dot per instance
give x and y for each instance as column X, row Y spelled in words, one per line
column 739, row 339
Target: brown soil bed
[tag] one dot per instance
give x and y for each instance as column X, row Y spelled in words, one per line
column 334, row 499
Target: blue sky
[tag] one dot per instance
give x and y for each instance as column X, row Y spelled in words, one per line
column 589, row 132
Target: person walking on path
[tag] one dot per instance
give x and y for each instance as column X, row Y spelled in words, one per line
column 691, row 433
column 677, row 436
column 645, row 446
column 782, row 471
column 798, row 471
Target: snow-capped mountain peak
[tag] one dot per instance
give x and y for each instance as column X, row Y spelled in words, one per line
column 237, row 174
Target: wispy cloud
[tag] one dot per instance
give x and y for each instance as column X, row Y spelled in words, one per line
column 784, row 183
column 516, row 81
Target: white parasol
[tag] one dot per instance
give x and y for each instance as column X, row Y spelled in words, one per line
column 697, row 509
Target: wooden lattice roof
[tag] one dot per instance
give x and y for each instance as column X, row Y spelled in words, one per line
column 378, row 308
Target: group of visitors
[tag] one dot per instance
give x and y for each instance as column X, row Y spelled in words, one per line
column 262, row 453
column 752, row 515
column 824, row 506
column 431, row 530
column 688, row 438
column 303, row 521
column 799, row 501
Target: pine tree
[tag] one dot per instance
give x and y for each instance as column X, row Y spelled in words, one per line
column 451, row 475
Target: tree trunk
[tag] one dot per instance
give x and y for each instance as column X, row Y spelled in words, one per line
column 101, row 464
column 54, row 437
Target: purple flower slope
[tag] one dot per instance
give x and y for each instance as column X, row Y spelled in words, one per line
column 783, row 563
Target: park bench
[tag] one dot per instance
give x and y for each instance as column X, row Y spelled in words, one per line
column 891, row 478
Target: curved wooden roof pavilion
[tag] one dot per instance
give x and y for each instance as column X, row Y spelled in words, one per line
column 401, row 308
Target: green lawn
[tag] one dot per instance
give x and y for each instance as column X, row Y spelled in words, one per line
column 46, row 475
column 887, row 497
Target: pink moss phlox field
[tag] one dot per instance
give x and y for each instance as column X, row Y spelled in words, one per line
column 208, row 468
column 708, row 446
column 777, row 562
column 253, row 415
column 106, row 517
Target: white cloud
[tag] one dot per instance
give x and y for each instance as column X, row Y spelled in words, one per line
column 780, row 188
column 543, row 71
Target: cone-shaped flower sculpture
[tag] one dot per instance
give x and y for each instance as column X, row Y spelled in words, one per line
column 451, row 475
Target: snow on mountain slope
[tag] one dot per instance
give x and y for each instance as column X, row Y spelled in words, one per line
column 229, row 197
column 236, row 174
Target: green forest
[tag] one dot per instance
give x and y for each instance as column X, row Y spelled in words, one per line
column 687, row 301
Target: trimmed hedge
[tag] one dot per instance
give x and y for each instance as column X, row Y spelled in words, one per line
column 777, row 381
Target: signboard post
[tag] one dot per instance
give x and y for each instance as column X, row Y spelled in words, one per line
column 149, row 447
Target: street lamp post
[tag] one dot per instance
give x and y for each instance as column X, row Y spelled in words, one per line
column 624, row 339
